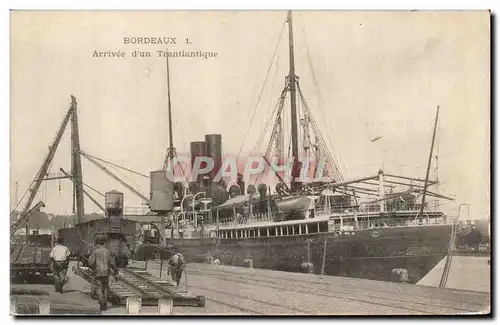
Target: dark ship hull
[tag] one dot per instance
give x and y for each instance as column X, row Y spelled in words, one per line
column 370, row 253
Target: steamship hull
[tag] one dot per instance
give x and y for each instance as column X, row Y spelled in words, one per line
column 370, row 254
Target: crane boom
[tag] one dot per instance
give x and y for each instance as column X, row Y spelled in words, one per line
column 76, row 165
column 83, row 190
column 107, row 171
column 26, row 217
column 46, row 163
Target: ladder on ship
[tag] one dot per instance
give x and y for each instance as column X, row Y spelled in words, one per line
column 449, row 257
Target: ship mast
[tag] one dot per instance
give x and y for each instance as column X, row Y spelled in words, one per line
column 171, row 150
column 429, row 163
column 16, row 194
column 293, row 104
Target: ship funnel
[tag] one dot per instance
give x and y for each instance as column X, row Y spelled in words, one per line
column 262, row 188
column 198, row 149
column 214, row 151
column 241, row 183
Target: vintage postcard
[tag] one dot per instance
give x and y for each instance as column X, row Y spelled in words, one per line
column 250, row 162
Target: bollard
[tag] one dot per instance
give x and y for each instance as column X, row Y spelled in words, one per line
column 44, row 305
column 307, row 268
column 310, row 268
column 166, row 306
column 399, row 275
column 248, row 262
column 133, row 306
column 186, row 278
column 13, row 305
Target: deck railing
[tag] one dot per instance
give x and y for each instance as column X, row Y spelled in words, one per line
column 135, row 211
column 321, row 212
column 351, row 224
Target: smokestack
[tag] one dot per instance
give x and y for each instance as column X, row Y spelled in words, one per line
column 198, row 149
column 214, row 151
column 241, row 184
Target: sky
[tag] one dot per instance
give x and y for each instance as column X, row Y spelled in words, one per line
column 378, row 74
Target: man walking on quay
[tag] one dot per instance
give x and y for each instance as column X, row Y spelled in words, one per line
column 176, row 265
column 59, row 257
column 102, row 261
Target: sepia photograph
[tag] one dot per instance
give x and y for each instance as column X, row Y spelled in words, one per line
column 258, row 163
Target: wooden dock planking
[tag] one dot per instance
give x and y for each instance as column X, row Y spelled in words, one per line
column 358, row 297
column 291, row 302
column 243, row 291
column 294, row 293
column 72, row 301
column 350, row 283
column 395, row 294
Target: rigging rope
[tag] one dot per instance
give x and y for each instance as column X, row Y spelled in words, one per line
column 126, row 178
column 168, row 163
column 320, row 98
column 114, row 172
column 289, row 144
column 29, row 187
column 38, row 176
column 274, row 88
column 268, row 123
column 118, row 166
column 93, row 189
column 300, row 127
column 262, row 90
column 318, row 134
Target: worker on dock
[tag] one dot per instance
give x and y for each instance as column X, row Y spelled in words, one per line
column 176, row 265
column 59, row 257
column 103, row 262
column 125, row 253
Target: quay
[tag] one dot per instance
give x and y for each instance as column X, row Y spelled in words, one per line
column 230, row 290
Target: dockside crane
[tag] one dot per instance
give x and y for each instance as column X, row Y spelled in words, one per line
column 16, row 225
column 85, row 192
column 42, row 174
column 25, row 258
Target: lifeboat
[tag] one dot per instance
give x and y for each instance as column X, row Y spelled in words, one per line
column 297, row 203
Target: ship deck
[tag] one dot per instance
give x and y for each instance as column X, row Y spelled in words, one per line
column 232, row 290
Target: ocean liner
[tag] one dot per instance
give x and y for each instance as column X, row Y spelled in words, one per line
column 366, row 227
column 380, row 226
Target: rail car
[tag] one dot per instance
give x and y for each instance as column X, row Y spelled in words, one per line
column 81, row 239
column 32, row 257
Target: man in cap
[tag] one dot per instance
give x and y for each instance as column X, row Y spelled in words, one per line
column 59, row 256
column 176, row 265
column 102, row 261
